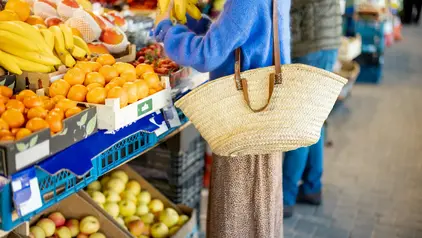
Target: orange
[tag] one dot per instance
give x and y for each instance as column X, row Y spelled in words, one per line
column 22, row 132
column 141, row 69
column 25, row 93
column 6, row 91
column 109, row 72
column 7, row 138
column 106, row 59
column 8, row 15
column 48, row 104
column 97, row 95
column 152, row 91
column 35, row 20
column 4, row 132
column 59, row 87
column 4, row 99
column 143, row 89
column 56, row 112
column 75, row 76
column 159, row 88
column 15, row 104
column 13, row 118
column 58, row 98
column 3, row 124
column 94, row 77
column 77, row 93
column 132, row 92
column 15, row 130
column 55, row 124
column 36, row 124
column 21, row 8
column 72, row 111
column 124, row 67
column 33, row 101
column 152, row 80
column 110, row 86
column 128, row 76
column 88, row 66
column 2, row 108
column 119, row 81
column 118, row 92
column 65, row 104
column 37, row 112
column 93, row 85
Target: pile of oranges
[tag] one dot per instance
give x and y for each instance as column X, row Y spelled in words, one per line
column 26, row 113
column 93, row 82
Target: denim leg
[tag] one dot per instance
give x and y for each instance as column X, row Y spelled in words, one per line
column 294, row 164
column 314, row 167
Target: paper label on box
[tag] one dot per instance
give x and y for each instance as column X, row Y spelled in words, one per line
column 159, row 121
column 32, row 153
column 145, row 107
column 171, row 116
column 26, row 191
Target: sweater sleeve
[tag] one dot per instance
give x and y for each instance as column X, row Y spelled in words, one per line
column 208, row 52
column 201, row 26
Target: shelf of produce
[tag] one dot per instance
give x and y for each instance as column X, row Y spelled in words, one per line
column 62, row 175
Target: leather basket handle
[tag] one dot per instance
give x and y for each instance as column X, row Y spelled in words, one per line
column 275, row 78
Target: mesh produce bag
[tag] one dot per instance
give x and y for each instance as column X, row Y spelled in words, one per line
column 119, row 48
column 65, row 11
column 44, row 10
column 86, row 25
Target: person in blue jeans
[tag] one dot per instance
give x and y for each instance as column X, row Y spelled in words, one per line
column 316, row 32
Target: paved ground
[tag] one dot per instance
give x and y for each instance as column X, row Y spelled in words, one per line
column 373, row 173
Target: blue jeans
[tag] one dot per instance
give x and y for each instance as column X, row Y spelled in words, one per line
column 306, row 163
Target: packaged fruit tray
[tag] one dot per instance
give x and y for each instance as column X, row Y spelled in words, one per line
column 142, row 211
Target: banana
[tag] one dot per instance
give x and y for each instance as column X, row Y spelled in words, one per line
column 194, row 2
column 48, row 37
column 59, row 45
column 37, row 57
column 78, row 53
column 163, row 5
column 68, row 36
column 180, row 10
column 67, row 59
column 30, row 66
column 193, row 11
column 10, row 38
column 81, row 44
column 9, row 63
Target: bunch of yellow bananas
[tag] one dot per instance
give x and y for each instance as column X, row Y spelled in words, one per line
column 66, row 46
column 22, row 47
column 179, row 9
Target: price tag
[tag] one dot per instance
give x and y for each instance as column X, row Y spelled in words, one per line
column 26, row 192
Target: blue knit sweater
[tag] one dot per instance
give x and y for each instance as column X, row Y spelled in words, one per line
column 243, row 23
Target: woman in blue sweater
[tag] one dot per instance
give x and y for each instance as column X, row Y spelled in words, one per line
column 246, row 192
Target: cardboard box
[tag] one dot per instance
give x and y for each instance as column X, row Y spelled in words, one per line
column 36, row 81
column 128, row 56
column 27, row 151
column 111, row 117
column 77, row 207
column 185, row 230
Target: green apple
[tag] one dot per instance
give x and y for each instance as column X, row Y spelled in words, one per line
column 116, row 185
column 120, row 174
column 97, row 235
column 148, row 218
column 112, row 208
column 127, row 220
column 169, row 217
column 142, row 209
column 96, row 186
column 63, row 232
column 127, row 208
column 156, row 206
column 134, row 187
column 174, row 230
column 48, row 226
column 144, row 197
column 112, row 196
column 89, row 225
column 159, row 230
column 37, row 232
column 120, row 221
column 182, row 220
column 104, row 180
column 98, row 197
column 128, row 195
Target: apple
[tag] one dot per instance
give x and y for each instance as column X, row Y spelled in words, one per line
column 98, row 197
column 53, row 21
column 97, row 235
column 120, row 221
column 169, row 217
column 147, row 218
column 116, row 185
column 82, row 235
column 111, row 36
column 96, row 186
column 37, row 232
column 71, row 3
column 48, row 226
column 136, row 227
column 128, row 195
column 159, row 230
column 120, row 174
column 57, row 218
column 144, row 197
column 142, row 209
column 63, row 232
column 173, row 230
column 146, row 230
column 133, row 187
column 89, row 225
column 73, row 226
column 156, row 206
column 112, row 209
column 127, row 208
column 143, row 236
column 104, row 180
column 112, row 196
column 182, row 220
column 52, row 4
column 130, row 219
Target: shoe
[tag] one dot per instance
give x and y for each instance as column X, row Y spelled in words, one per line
column 287, row 211
column 312, row 199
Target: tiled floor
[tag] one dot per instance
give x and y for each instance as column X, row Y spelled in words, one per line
column 373, row 172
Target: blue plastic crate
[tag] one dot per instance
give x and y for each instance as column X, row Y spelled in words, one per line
column 349, row 26
column 370, row 74
column 372, row 33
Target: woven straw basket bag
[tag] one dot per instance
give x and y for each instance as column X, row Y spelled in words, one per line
column 265, row 110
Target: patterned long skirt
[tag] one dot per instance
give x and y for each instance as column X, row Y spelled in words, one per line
column 245, row 198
